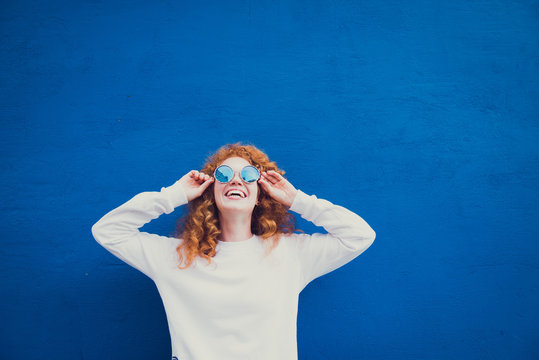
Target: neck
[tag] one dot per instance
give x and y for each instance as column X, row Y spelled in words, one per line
column 235, row 227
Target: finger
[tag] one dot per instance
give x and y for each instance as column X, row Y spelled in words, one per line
column 276, row 175
column 207, row 183
column 264, row 183
column 199, row 177
column 194, row 175
column 279, row 178
column 270, row 178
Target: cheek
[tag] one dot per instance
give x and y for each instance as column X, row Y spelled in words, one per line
column 255, row 191
column 217, row 190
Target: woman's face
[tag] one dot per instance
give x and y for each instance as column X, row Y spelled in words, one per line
column 234, row 203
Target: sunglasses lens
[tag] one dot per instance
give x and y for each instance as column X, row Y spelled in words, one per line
column 223, row 174
column 250, row 174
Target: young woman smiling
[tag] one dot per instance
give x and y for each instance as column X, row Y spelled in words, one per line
column 230, row 278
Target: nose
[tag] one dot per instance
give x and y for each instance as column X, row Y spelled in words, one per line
column 236, row 179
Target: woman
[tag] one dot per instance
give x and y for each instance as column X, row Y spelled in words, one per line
column 230, row 281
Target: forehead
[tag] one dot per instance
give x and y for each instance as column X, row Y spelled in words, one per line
column 236, row 162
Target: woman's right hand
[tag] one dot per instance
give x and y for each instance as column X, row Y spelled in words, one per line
column 194, row 183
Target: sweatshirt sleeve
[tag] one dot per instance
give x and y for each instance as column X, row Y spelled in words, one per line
column 348, row 236
column 118, row 231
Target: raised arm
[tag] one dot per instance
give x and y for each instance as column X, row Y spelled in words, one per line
column 348, row 234
column 118, row 231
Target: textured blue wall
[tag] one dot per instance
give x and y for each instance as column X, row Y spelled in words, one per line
column 420, row 116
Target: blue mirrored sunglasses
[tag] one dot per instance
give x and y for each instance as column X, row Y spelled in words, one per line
column 224, row 174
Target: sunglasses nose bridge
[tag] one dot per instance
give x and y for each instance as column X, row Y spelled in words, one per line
column 236, row 178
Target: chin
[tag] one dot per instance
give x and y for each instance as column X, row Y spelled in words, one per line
column 236, row 207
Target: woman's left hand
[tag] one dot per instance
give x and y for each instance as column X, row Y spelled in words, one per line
column 278, row 187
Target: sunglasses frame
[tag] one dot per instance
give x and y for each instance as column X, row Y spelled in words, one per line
column 233, row 173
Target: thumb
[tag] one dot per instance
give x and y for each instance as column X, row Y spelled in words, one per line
column 206, row 183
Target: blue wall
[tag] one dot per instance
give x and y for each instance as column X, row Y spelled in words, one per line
column 420, row 116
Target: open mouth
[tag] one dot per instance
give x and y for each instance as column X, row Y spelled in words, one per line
column 235, row 194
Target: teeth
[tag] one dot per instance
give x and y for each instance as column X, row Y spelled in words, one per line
column 235, row 192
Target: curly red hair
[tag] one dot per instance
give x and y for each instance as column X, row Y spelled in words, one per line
column 200, row 228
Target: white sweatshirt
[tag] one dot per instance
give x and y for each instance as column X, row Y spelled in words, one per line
column 244, row 305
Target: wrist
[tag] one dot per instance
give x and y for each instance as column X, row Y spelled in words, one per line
column 291, row 197
column 176, row 193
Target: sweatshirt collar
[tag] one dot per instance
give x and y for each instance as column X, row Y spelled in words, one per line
column 238, row 245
